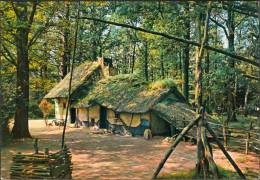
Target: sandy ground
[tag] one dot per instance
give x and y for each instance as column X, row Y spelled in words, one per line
column 104, row 156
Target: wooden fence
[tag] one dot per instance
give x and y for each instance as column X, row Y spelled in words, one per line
column 240, row 139
column 42, row 165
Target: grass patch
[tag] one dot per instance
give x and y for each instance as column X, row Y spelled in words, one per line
column 242, row 121
column 162, row 84
column 179, row 175
column 191, row 174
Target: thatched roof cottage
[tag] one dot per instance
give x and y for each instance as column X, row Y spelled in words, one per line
column 119, row 101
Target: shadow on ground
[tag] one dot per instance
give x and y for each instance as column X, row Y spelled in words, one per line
column 105, row 156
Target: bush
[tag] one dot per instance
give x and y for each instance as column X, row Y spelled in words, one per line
column 7, row 108
column 34, row 110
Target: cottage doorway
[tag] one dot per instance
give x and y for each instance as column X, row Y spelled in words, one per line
column 103, row 118
column 72, row 115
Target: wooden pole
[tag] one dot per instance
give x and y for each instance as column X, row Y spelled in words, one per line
column 225, row 152
column 36, row 146
column 173, row 146
column 221, row 51
column 225, row 134
column 202, row 164
column 1, row 104
column 71, row 75
column 207, row 149
column 2, row 120
column 248, row 137
column 258, row 54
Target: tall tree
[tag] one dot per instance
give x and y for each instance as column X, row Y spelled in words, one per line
column 186, row 55
column 24, row 20
column 146, row 73
column 66, row 43
column 231, row 106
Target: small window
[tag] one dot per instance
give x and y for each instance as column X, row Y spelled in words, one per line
column 117, row 115
column 92, row 122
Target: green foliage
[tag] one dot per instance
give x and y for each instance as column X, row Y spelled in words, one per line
column 126, row 47
column 7, row 100
column 35, row 111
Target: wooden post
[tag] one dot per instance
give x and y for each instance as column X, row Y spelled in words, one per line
column 225, row 134
column 0, row 152
column 46, row 151
column 248, row 137
column 225, row 152
column 207, row 149
column 247, row 142
column 36, row 147
column 173, row 146
column 201, row 160
column 71, row 75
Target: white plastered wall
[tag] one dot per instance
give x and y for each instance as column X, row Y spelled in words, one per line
column 60, row 109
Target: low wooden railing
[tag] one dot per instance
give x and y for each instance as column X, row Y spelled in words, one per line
column 242, row 139
column 42, row 165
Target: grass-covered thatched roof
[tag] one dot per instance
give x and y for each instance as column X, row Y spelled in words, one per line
column 81, row 74
column 127, row 93
column 171, row 110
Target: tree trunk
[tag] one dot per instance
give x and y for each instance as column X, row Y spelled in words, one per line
column 198, row 78
column 125, row 66
column 24, row 21
column 186, row 57
column 162, row 67
column 152, row 74
column 202, row 165
column 231, row 106
column 66, row 47
column 133, row 59
column 1, row 106
column 258, row 54
column 207, row 80
column 20, row 129
column 1, row 126
column 179, row 66
column 146, row 74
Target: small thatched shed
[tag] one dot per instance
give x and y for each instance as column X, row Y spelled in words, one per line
column 125, row 100
column 83, row 77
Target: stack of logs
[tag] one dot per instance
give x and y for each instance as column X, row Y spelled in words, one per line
column 42, row 165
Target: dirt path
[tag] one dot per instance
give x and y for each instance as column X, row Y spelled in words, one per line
column 98, row 156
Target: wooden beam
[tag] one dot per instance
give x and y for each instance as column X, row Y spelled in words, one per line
column 71, row 75
column 221, row 51
column 173, row 146
column 225, row 152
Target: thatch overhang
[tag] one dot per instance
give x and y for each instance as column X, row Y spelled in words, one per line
column 173, row 111
column 81, row 76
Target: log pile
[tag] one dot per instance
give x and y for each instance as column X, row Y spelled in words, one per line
column 42, row 165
